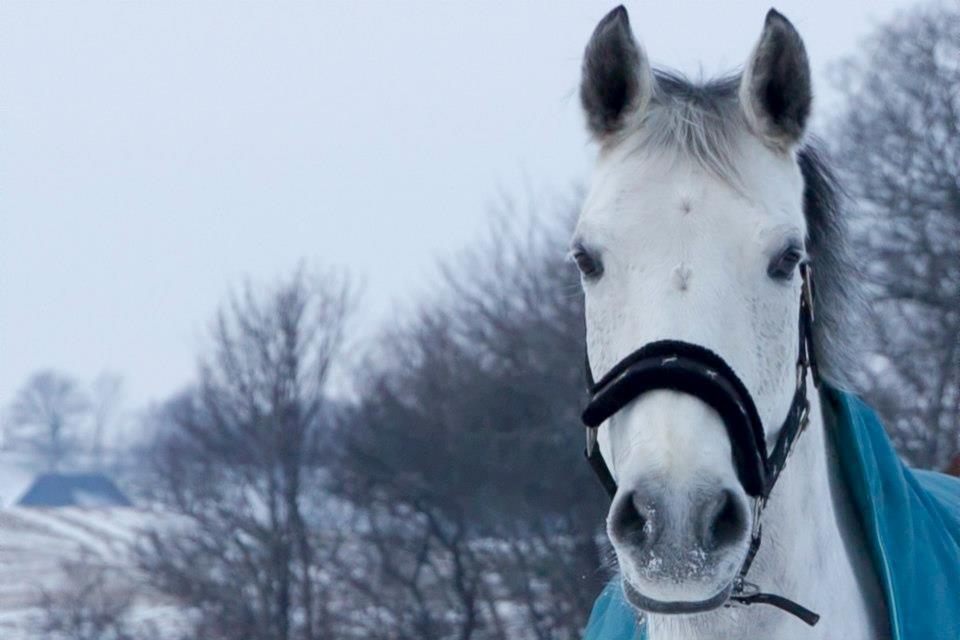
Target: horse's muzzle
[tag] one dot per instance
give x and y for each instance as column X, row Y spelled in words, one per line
column 680, row 549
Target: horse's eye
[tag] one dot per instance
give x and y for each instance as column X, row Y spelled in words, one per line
column 783, row 264
column 589, row 266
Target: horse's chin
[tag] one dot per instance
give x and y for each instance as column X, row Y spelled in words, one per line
column 674, row 607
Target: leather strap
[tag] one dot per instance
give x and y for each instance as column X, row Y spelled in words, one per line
column 597, row 463
column 780, row 602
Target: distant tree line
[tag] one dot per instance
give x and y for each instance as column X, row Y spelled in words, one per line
column 60, row 421
column 443, row 495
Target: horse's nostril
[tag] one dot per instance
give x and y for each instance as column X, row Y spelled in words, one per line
column 725, row 521
column 632, row 522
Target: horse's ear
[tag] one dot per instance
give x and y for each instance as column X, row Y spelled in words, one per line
column 617, row 80
column 775, row 90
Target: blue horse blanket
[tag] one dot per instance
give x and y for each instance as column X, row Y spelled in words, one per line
column 910, row 518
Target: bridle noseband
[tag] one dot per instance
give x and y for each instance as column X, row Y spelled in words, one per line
column 697, row 371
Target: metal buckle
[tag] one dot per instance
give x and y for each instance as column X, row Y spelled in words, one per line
column 758, row 506
column 743, row 588
column 591, row 439
column 802, row 421
column 806, row 272
column 807, row 355
column 804, row 415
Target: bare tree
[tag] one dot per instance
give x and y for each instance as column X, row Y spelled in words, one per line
column 898, row 142
column 90, row 603
column 240, row 462
column 45, row 414
column 465, row 452
column 106, row 394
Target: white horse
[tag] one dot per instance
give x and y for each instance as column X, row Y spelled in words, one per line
column 693, row 229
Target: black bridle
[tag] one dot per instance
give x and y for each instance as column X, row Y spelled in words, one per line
column 697, row 371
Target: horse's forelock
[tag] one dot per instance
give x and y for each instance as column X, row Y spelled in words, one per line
column 703, row 121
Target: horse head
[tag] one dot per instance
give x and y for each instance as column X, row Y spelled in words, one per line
column 692, row 231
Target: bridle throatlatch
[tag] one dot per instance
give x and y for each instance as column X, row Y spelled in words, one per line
column 695, row 370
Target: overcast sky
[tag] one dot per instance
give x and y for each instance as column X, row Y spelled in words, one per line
column 154, row 154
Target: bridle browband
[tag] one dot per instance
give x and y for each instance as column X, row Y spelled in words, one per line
column 698, row 371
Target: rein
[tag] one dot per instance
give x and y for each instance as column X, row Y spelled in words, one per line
column 697, row 371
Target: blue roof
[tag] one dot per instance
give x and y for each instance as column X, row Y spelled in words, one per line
column 74, row 490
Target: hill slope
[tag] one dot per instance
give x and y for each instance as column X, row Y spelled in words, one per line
column 38, row 546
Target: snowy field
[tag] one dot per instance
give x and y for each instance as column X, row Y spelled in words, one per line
column 36, row 543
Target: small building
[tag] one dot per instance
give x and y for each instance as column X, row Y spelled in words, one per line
column 74, row 490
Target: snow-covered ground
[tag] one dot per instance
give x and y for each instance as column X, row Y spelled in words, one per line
column 17, row 472
column 35, row 544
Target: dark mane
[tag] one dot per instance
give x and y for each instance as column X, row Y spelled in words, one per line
column 838, row 297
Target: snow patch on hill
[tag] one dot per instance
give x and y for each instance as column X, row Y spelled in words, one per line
column 36, row 543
